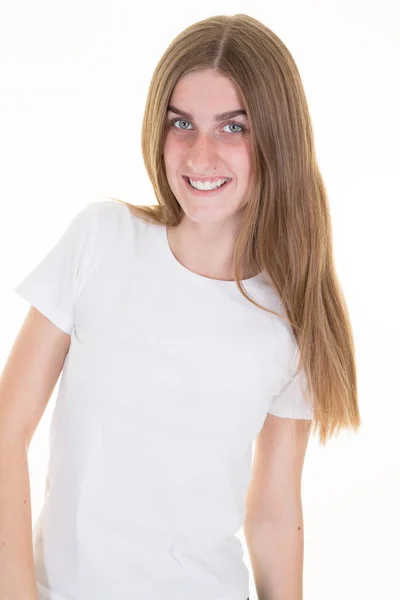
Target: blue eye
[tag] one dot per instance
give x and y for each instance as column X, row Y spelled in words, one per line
column 234, row 123
column 176, row 120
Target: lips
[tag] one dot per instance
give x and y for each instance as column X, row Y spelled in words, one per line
column 203, row 179
column 206, row 193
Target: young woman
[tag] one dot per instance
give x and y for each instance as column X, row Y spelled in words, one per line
column 186, row 331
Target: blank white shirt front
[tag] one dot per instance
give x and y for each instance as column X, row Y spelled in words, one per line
column 167, row 382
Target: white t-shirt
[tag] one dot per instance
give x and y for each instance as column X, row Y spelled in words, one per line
column 167, row 382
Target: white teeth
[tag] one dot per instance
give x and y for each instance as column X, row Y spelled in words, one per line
column 207, row 185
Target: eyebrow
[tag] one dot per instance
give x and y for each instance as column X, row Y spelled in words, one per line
column 220, row 117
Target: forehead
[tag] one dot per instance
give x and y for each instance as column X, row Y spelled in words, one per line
column 206, row 92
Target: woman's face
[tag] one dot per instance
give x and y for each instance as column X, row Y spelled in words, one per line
column 199, row 145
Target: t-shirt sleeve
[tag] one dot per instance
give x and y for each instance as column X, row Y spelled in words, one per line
column 52, row 285
column 294, row 400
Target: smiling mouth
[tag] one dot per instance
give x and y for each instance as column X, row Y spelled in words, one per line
column 212, row 192
column 212, row 179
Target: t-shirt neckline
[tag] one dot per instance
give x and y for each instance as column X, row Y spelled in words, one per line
column 174, row 262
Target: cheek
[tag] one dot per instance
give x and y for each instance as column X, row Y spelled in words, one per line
column 173, row 152
column 173, row 143
column 239, row 161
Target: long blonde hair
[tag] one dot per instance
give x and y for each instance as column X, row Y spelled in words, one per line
column 286, row 229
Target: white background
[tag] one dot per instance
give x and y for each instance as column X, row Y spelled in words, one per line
column 73, row 84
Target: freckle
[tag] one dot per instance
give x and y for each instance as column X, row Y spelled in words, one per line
column 24, row 501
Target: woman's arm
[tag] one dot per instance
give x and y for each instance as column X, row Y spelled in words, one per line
column 26, row 384
column 276, row 552
column 17, row 579
column 273, row 525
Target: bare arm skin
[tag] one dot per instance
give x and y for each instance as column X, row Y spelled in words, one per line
column 273, row 525
column 26, row 384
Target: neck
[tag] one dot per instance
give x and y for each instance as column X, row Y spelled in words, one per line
column 204, row 249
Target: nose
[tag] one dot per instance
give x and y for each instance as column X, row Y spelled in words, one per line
column 202, row 154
